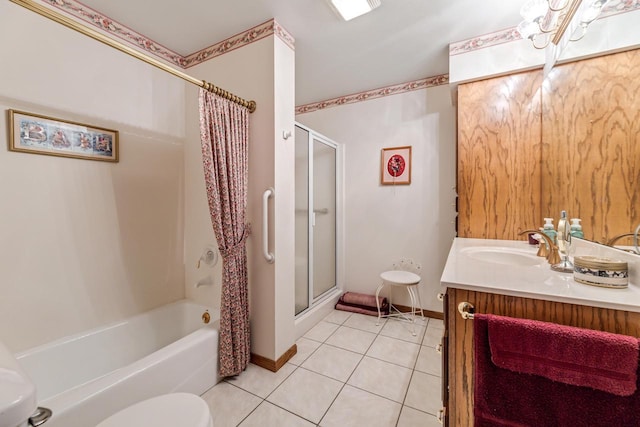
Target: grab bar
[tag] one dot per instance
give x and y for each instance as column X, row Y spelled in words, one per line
column 265, row 225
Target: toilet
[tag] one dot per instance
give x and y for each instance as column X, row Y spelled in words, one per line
column 19, row 406
column 17, row 394
column 168, row 410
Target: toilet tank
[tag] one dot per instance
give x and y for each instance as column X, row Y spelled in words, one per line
column 17, row 392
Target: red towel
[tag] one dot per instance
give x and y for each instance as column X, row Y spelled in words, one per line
column 359, row 309
column 506, row 398
column 363, row 300
column 362, row 303
column 580, row 357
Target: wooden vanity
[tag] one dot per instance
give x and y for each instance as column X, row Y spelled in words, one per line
column 531, row 292
column 527, row 149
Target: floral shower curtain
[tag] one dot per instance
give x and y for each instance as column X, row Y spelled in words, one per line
column 224, row 133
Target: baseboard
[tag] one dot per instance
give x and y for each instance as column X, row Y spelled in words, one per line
column 428, row 313
column 274, row 365
column 433, row 314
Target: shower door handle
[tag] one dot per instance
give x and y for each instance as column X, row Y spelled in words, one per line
column 265, row 225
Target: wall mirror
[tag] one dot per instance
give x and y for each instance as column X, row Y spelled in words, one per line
column 530, row 147
column 590, row 144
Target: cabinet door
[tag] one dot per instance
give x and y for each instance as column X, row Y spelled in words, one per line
column 445, row 362
column 460, row 361
column 461, row 357
column 499, row 154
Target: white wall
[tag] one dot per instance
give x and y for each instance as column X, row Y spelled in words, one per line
column 262, row 71
column 386, row 223
column 284, row 202
column 83, row 243
column 605, row 35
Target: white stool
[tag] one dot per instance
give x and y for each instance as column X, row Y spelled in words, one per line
column 410, row 282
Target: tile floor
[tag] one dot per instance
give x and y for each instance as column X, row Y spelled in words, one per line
column 347, row 372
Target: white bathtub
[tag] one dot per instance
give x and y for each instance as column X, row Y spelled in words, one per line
column 87, row 377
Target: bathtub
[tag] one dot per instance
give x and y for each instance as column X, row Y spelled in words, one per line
column 87, row 377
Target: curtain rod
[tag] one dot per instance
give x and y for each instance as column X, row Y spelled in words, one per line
column 69, row 23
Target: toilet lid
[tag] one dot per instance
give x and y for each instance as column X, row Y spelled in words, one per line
column 168, row 410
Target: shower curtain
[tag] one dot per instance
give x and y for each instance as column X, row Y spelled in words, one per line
column 224, row 133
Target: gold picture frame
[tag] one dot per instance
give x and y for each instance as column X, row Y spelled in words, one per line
column 395, row 166
column 38, row 134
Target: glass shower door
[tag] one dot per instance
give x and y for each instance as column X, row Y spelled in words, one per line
column 302, row 220
column 315, row 219
column 324, row 217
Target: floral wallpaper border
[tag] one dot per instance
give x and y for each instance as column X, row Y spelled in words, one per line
column 442, row 79
column 510, row 34
column 239, row 40
column 81, row 12
column 486, row 40
column 617, row 7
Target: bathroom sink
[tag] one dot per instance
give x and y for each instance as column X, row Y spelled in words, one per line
column 502, row 255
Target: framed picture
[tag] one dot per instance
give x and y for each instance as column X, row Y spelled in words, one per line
column 396, row 166
column 33, row 133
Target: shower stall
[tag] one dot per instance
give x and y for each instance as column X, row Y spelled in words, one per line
column 317, row 218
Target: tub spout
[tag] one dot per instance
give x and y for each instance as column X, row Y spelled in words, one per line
column 207, row 281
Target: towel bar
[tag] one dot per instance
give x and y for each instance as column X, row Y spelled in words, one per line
column 466, row 310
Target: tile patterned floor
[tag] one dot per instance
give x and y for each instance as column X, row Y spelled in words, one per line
column 347, row 372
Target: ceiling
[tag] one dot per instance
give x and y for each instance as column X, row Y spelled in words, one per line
column 401, row 41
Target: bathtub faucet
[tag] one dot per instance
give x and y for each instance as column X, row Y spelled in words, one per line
column 207, row 281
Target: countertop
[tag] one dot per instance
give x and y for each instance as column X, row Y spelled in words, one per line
column 464, row 271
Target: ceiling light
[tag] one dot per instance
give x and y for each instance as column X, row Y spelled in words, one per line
column 546, row 21
column 350, row 9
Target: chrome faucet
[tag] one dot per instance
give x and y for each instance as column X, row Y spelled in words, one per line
column 614, row 239
column 635, row 235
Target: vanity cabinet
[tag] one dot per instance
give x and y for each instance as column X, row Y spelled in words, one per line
column 459, row 334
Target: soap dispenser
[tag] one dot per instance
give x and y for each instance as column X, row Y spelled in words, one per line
column 548, row 229
column 576, row 228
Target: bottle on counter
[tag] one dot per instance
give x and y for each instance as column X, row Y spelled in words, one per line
column 549, row 230
column 576, row 228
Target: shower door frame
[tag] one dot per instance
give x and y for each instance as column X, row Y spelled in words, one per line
column 339, row 220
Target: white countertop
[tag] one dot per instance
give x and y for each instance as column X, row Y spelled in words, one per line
column 464, row 271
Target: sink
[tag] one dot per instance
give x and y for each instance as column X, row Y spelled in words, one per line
column 502, row 255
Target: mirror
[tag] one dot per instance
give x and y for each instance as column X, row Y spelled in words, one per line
column 590, row 149
column 530, row 147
